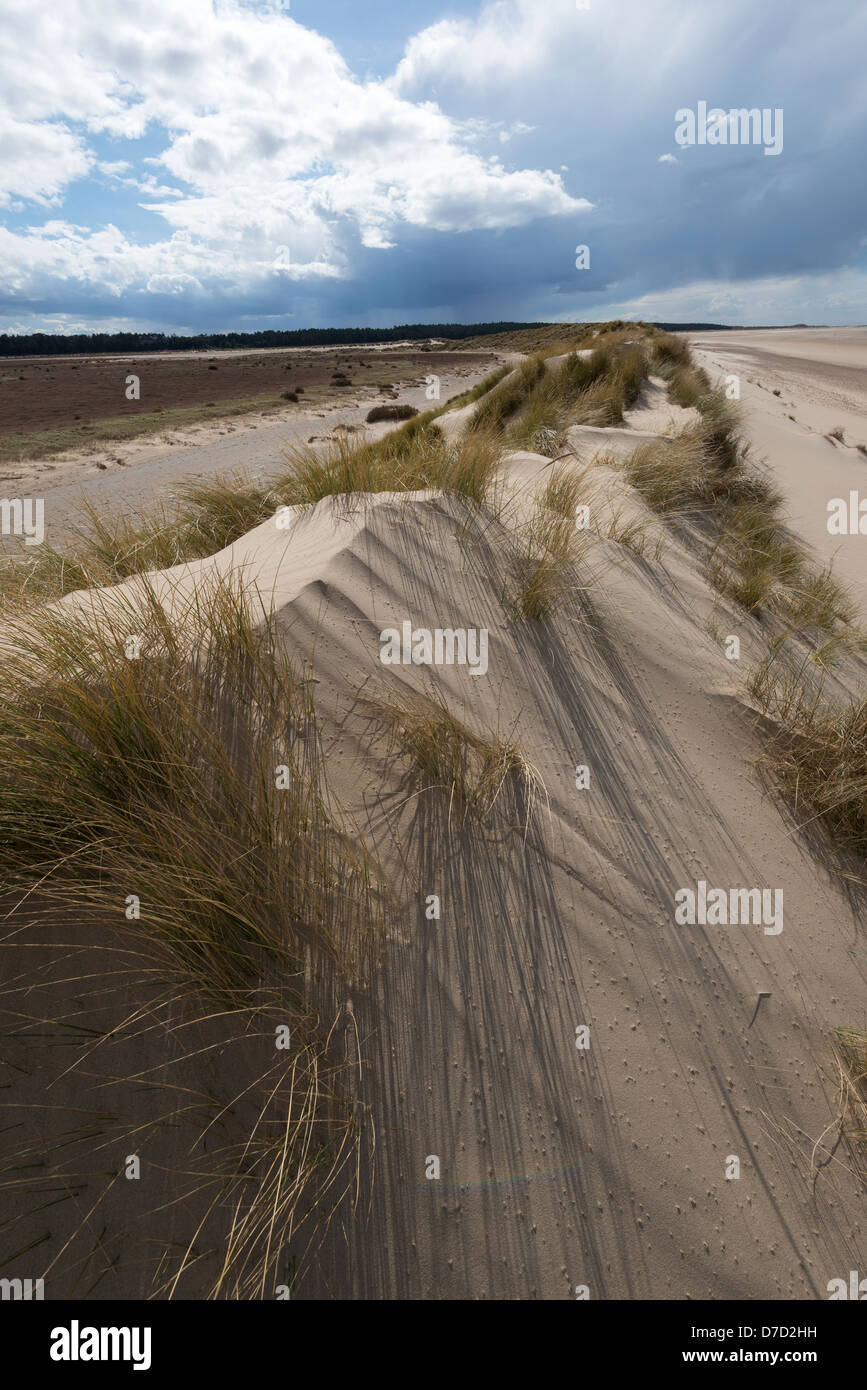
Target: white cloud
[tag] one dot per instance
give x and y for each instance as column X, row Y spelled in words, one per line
column 274, row 139
column 172, row 284
column 61, row 252
column 508, row 40
column 39, row 160
column 513, row 41
column 113, row 168
column 258, row 135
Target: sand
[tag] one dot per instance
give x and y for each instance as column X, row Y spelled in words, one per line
column 134, row 474
column 559, row 1167
column 821, row 377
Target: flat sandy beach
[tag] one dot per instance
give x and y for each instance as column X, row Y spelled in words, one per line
column 797, row 385
column 132, row 475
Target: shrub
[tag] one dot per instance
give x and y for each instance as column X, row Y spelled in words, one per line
column 390, row 412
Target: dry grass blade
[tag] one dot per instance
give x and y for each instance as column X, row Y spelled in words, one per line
column 472, row 772
column 549, row 548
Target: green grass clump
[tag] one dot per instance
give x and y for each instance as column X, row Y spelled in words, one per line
column 595, row 388
column 634, row 534
column 548, row 549
column 603, row 386
column 188, row 779
column 852, row 1057
column 820, row 600
column 705, row 474
column 669, row 351
column 473, row 773
column 819, row 761
column 412, row 459
column 756, row 562
column 538, row 425
column 564, row 492
column 157, row 776
column 671, row 358
column 705, row 466
column 688, row 386
column 508, row 397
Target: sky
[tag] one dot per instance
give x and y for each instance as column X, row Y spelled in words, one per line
column 231, row 165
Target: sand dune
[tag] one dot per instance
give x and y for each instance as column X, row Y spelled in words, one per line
column 560, row 1166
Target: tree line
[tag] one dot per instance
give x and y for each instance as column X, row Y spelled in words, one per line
column 45, row 344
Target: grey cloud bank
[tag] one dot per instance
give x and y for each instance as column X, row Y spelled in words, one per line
column 455, row 189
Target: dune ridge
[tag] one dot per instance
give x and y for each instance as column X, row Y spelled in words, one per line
column 565, row 1160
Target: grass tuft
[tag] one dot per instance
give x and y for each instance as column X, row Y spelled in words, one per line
column 158, row 775
column 474, row 773
column 818, row 757
column 549, row 548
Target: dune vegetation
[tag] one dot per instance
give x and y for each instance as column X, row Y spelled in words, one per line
column 177, row 801
column 701, row 481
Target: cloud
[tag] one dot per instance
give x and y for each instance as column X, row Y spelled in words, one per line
column 227, row 130
column 507, row 42
column 62, row 255
column 272, row 138
column 832, row 297
column 172, row 284
column 40, row 159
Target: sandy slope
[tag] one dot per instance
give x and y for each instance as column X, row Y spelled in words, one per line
column 561, row 1167
column 821, row 375
column 605, row 1168
column 135, row 474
